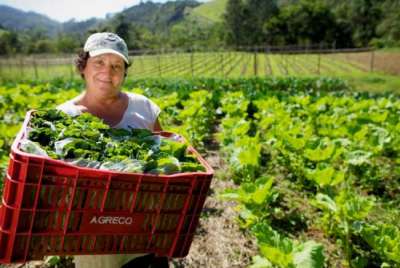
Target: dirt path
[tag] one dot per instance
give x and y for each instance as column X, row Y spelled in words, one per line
column 218, row 241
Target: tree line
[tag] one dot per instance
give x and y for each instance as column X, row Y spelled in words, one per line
column 337, row 23
column 355, row 23
column 185, row 34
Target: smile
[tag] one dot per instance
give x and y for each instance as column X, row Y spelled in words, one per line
column 105, row 81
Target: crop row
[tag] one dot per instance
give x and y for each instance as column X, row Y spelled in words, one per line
column 199, row 64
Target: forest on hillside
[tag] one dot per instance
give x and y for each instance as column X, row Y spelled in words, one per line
column 355, row 23
column 337, row 24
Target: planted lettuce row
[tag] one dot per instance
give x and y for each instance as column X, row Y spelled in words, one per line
column 311, row 163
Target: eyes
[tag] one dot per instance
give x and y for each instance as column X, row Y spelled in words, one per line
column 99, row 63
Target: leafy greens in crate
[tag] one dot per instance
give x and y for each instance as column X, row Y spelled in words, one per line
column 85, row 140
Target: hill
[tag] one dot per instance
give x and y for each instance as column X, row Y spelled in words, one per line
column 153, row 16
column 211, row 11
column 158, row 16
column 80, row 27
column 17, row 20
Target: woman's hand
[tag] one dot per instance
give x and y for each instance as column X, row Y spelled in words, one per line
column 157, row 126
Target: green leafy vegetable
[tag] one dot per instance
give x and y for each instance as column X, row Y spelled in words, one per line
column 87, row 141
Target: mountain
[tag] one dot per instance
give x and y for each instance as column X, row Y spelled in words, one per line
column 17, row 20
column 80, row 27
column 154, row 16
column 158, row 16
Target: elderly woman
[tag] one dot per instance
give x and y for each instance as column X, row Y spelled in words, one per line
column 103, row 65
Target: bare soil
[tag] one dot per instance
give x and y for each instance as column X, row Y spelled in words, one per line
column 386, row 62
column 218, row 241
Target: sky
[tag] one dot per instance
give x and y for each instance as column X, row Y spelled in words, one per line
column 63, row 10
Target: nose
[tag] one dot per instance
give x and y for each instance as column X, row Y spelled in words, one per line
column 108, row 69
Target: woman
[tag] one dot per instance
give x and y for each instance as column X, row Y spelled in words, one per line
column 103, row 65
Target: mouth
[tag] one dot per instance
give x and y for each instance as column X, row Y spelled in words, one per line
column 104, row 81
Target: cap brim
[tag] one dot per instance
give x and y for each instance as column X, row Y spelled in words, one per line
column 107, row 50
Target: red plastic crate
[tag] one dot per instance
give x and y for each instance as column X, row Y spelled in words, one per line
column 50, row 207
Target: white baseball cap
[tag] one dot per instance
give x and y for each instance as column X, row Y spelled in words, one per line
column 101, row 43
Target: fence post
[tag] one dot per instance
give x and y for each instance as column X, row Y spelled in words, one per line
column 319, row 59
column 372, row 59
column 255, row 61
column 159, row 63
column 35, row 69
column 284, row 62
column 176, row 70
column 268, row 68
column 72, row 69
column 319, row 64
column 1, row 68
column 47, row 67
column 191, row 61
column 10, row 67
column 222, row 63
column 141, row 63
column 21, row 63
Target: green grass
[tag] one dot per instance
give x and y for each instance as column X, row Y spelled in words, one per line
column 212, row 10
column 390, row 49
column 43, row 72
column 374, row 82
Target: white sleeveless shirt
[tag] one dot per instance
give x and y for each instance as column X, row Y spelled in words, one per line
column 140, row 113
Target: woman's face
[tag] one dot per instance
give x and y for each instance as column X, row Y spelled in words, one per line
column 105, row 73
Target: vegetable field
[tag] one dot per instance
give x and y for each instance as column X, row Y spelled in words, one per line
column 223, row 64
column 314, row 164
column 239, row 64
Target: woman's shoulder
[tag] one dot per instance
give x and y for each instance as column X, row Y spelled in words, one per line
column 70, row 107
column 139, row 100
column 136, row 97
column 142, row 105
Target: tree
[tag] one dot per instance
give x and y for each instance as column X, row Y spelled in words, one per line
column 9, row 42
column 122, row 28
column 44, row 46
column 136, row 37
column 234, row 17
column 389, row 27
column 190, row 33
column 364, row 16
column 245, row 20
column 256, row 13
column 306, row 22
column 67, row 43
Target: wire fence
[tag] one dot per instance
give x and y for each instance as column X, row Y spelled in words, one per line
column 203, row 62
